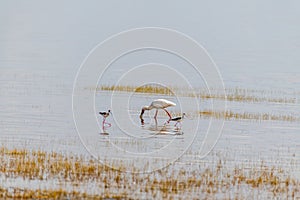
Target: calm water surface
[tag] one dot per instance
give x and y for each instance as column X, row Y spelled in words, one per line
column 256, row 46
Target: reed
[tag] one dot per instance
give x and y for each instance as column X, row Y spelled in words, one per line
column 211, row 181
column 230, row 115
column 20, row 193
column 236, row 94
column 148, row 89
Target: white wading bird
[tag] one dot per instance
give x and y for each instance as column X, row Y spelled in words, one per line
column 105, row 115
column 158, row 104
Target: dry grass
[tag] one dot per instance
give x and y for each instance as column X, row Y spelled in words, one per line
column 167, row 183
column 18, row 193
column 237, row 94
column 230, row 115
column 148, row 89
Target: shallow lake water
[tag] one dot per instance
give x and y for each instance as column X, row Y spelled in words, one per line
column 259, row 55
column 39, row 117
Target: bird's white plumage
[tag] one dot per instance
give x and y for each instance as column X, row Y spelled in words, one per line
column 162, row 103
column 158, row 104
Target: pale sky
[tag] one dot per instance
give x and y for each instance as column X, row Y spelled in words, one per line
column 250, row 37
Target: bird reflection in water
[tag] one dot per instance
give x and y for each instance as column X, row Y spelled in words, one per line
column 164, row 129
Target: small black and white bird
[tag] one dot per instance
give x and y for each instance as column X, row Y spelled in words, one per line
column 178, row 120
column 105, row 115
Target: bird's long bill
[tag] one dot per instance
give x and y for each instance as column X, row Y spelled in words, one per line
column 141, row 116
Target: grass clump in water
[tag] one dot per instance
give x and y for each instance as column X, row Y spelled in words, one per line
column 230, row 115
column 236, row 94
column 211, row 181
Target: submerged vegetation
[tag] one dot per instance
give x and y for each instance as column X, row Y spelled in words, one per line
column 236, row 94
column 230, row 115
column 80, row 173
column 36, row 174
column 20, row 193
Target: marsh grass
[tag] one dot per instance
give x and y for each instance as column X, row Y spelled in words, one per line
column 230, row 115
column 236, row 94
column 166, row 183
column 19, row 193
column 148, row 89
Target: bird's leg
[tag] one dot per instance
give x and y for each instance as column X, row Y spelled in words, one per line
column 176, row 124
column 103, row 122
column 155, row 116
column 170, row 117
column 141, row 117
column 155, row 121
